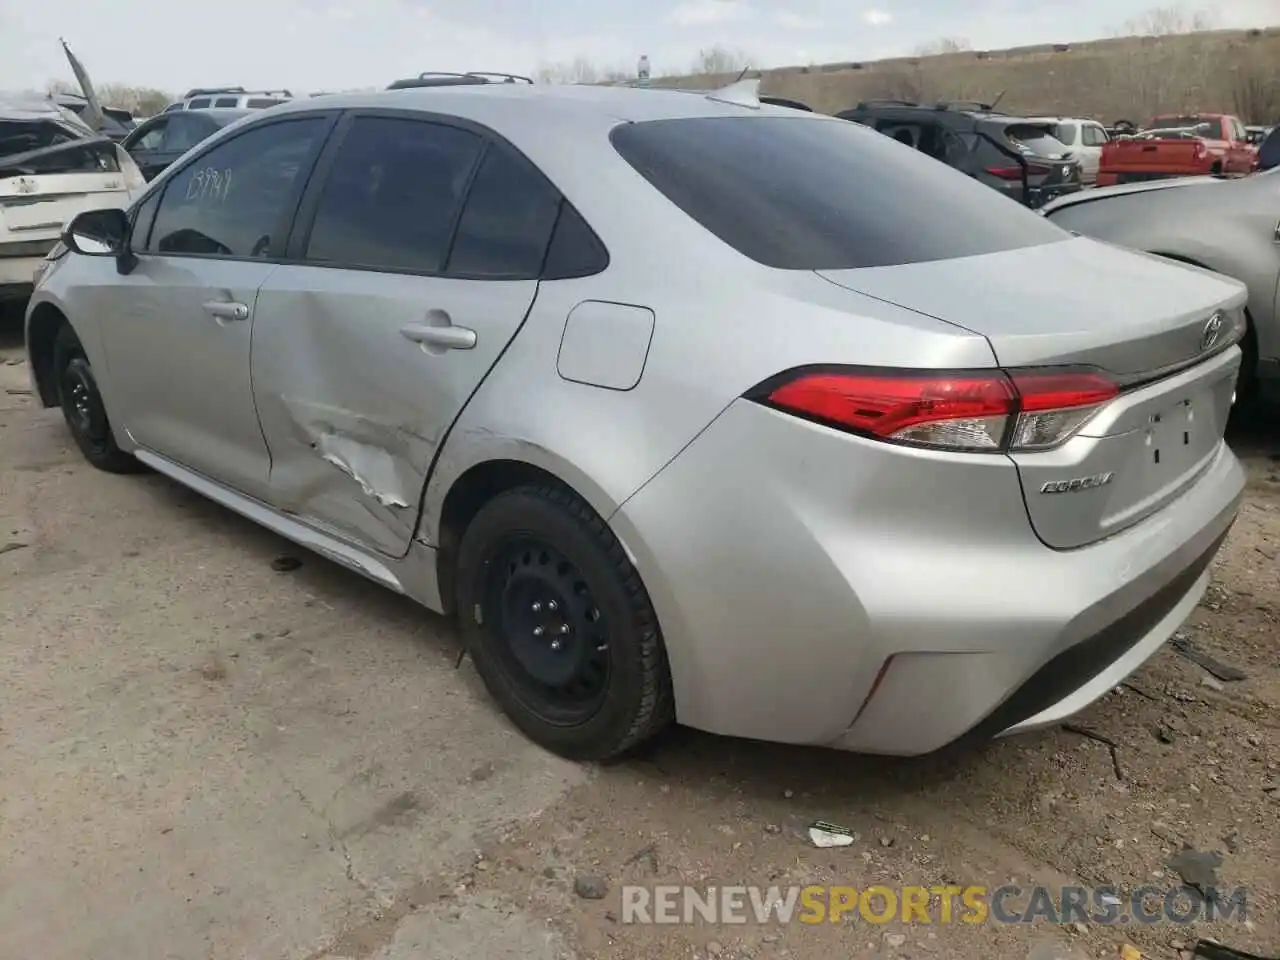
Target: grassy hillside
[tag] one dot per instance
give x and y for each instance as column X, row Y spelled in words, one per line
column 1129, row 78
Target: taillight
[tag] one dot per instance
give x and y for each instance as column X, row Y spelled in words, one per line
column 1015, row 173
column 973, row 411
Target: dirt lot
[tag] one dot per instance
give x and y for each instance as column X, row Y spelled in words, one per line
column 204, row 757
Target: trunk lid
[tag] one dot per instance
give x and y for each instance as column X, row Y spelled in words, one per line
column 1080, row 302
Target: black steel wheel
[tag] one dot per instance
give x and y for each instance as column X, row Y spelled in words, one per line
column 83, row 407
column 559, row 625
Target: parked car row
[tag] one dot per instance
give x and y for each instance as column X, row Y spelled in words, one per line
column 675, row 399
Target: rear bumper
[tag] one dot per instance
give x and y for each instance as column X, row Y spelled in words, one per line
column 818, row 588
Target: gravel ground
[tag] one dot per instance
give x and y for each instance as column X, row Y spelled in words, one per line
column 204, row 757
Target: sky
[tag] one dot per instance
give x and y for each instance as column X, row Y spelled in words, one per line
column 330, row 45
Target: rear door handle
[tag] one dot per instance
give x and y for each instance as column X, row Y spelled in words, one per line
column 226, row 310
column 446, row 338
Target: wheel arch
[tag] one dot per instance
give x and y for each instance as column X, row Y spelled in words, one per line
column 42, row 330
column 458, row 502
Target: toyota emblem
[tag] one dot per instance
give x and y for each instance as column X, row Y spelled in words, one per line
column 1212, row 330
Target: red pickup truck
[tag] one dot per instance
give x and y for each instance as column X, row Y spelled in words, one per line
column 1185, row 145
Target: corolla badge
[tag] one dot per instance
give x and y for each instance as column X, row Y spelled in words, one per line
column 1212, row 330
column 1078, row 483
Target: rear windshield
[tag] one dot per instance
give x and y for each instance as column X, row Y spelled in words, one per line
column 1034, row 140
column 800, row 193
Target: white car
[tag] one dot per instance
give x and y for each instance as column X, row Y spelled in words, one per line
column 52, row 167
column 1084, row 138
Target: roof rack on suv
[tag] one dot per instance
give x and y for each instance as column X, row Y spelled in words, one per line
column 439, row 78
column 240, row 91
column 865, row 104
column 975, row 105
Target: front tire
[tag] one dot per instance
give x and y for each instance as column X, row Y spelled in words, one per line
column 83, row 407
column 560, row 627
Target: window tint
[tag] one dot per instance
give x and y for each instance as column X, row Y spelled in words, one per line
column 185, row 131
column 575, row 249
column 507, row 221
column 233, row 200
column 393, row 194
column 143, row 218
column 199, row 104
column 812, row 194
column 153, row 139
column 225, row 102
column 1032, row 140
column 1067, row 133
column 1094, row 136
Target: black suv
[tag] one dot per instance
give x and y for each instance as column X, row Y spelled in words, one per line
column 1020, row 158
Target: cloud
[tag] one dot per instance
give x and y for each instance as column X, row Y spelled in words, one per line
column 795, row 21
column 701, row 13
column 877, row 18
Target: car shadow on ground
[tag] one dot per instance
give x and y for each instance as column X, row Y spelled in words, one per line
column 11, row 319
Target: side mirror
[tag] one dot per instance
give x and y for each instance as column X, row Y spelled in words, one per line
column 97, row 233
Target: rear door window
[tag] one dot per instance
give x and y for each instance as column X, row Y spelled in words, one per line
column 392, row 198
column 225, row 102
column 200, row 103
column 1066, row 133
column 819, row 194
column 507, row 221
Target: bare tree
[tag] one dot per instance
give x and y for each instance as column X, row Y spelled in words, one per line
column 577, row 70
column 943, row 45
column 719, row 59
column 1169, row 21
column 143, row 101
column 1257, row 95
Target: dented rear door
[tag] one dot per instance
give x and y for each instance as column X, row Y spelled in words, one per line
column 366, row 351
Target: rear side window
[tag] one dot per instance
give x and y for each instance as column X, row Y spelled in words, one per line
column 507, row 221
column 810, row 194
column 201, row 103
column 225, row 102
column 392, row 197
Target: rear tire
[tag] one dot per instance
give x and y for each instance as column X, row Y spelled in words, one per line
column 83, row 407
column 560, row 627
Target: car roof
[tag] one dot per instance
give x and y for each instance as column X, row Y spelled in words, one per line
column 568, row 103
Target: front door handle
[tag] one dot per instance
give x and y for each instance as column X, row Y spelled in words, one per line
column 226, row 310
column 445, row 338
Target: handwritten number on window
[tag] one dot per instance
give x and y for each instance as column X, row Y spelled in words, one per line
column 209, row 184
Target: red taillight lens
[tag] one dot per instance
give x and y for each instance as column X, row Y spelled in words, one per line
column 1015, row 173
column 981, row 411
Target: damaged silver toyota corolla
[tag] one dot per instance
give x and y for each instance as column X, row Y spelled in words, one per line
column 688, row 406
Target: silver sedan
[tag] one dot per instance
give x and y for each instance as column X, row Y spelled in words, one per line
column 688, row 406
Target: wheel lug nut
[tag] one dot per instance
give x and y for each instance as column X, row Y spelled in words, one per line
column 555, row 644
column 552, row 605
column 564, row 628
column 537, row 608
column 537, row 631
